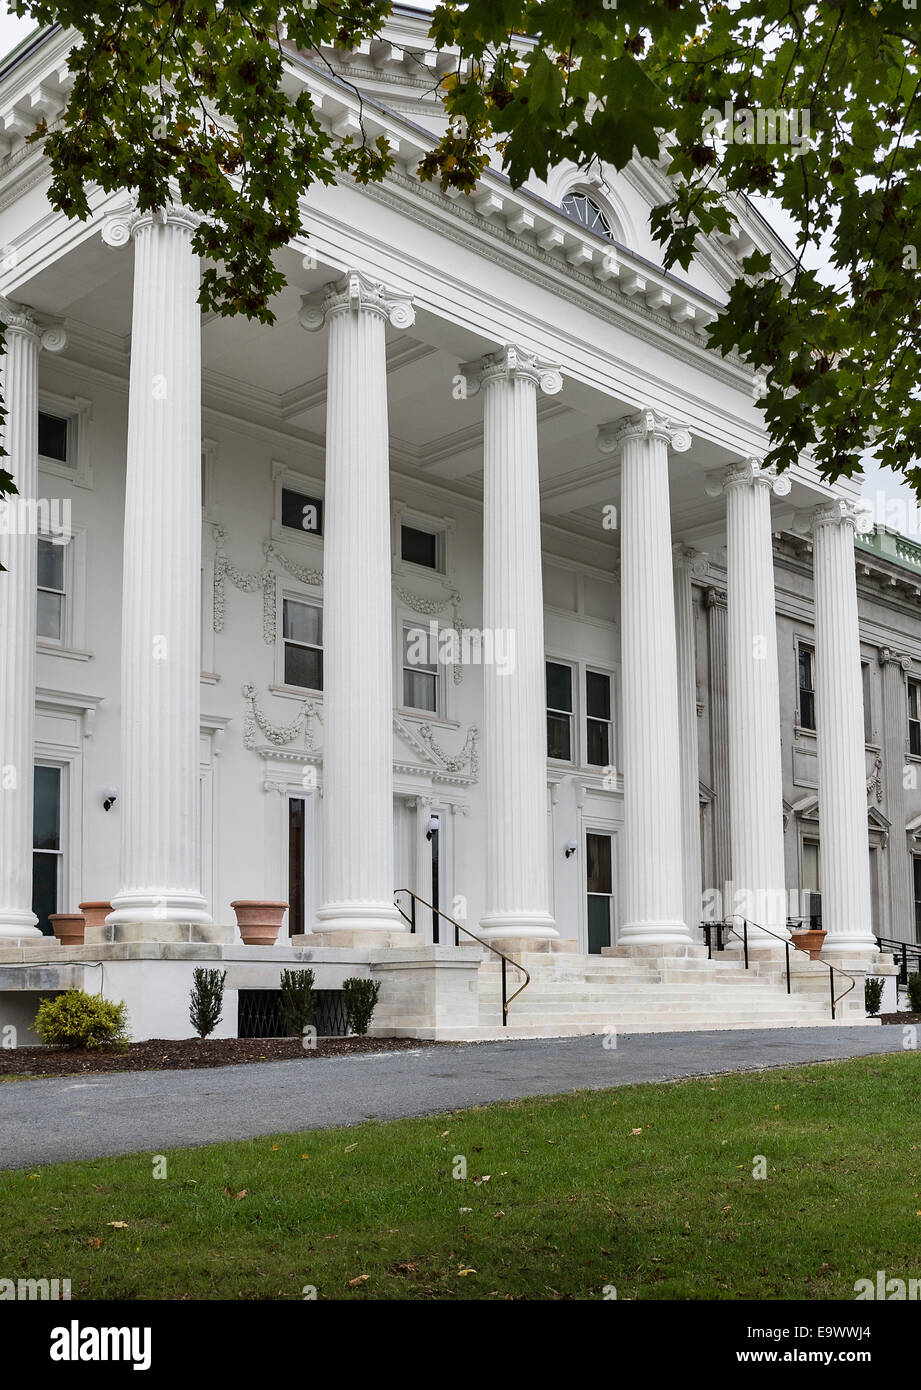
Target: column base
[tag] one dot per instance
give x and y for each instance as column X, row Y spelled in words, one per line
column 130, row 909
column 525, row 931
column 857, row 948
column 361, row 939
column 157, row 930
column 659, row 934
column 15, row 924
column 358, row 918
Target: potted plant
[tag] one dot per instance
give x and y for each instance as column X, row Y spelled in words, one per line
column 259, row 921
column 95, row 914
column 809, row 940
column 68, row 927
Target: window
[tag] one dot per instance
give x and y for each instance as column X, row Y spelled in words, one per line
column 812, row 896
column 584, row 210
column 600, row 891
column 419, row 547
column 300, row 512
column 296, row 860
column 420, row 670
column 598, row 719
column 806, row 687
column 302, row 632
column 53, row 437
column 867, row 703
column 559, row 711
column 51, row 596
column 916, row 869
column 914, row 718
column 47, row 856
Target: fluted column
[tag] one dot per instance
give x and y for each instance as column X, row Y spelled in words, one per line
column 514, row 698
column 718, row 651
column 161, row 583
column 755, row 768
column 844, row 854
column 357, row 618
column 688, row 565
column 895, row 666
column 18, row 557
column 652, row 895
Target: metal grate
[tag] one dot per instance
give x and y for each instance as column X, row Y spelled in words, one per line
column 260, row 1014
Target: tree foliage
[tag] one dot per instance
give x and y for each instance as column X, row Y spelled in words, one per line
column 189, row 100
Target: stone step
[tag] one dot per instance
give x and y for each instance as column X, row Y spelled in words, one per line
column 496, row 1033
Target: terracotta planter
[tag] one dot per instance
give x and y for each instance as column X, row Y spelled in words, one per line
column 68, row 927
column 259, row 922
column 810, row 941
column 95, row 914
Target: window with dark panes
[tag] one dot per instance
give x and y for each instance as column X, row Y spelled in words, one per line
column 420, row 547
column 559, row 711
column 598, row 719
column 300, row 512
column 302, row 632
column 806, row 687
column 47, row 853
column 600, row 890
column 914, row 718
column 53, row 436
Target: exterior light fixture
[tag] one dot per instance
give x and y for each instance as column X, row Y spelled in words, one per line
column 109, row 798
column 434, row 824
column 570, row 848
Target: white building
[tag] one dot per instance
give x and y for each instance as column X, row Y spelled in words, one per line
column 487, row 415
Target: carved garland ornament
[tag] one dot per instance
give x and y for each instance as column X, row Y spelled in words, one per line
column 279, row 734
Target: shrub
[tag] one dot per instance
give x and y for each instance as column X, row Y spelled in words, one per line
column 914, row 993
column 297, row 1001
column 207, row 1000
column 873, row 994
column 78, row 1019
column 360, row 1002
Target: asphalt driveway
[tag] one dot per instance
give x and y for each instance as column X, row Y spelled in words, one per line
column 62, row 1118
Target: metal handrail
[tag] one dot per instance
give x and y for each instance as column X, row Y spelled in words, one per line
column 507, row 998
column 902, row 949
column 746, row 923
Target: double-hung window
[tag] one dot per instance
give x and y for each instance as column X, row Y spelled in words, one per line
column 806, row 686
column 598, row 719
column 421, row 678
column 302, row 631
column 560, row 712
column 51, row 597
column 914, row 718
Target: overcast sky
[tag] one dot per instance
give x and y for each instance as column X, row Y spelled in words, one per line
column 894, row 503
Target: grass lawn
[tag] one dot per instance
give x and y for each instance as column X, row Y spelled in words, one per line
column 648, row 1189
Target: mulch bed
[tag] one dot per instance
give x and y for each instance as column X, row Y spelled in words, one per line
column 900, row 1018
column 160, row 1054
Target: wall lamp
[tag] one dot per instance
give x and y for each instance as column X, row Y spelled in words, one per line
column 570, row 848
column 109, row 798
column 434, row 824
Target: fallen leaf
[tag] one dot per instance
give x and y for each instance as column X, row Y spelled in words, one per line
column 463, row 1272
column 636, row 1131
column 349, row 1147
column 360, row 1279
column 119, row 1225
column 240, row 1194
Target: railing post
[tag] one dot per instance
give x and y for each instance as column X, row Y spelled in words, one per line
column 412, row 912
column 707, row 929
column 504, row 1004
column 787, row 947
column 831, row 981
column 745, row 939
column 904, row 964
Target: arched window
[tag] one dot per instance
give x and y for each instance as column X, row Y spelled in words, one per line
column 584, row 210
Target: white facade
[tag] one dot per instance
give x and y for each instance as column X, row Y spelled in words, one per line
column 499, row 421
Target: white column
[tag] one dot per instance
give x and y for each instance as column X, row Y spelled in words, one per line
column 755, row 769
column 844, row 854
column 652, row 893
column 357, row 607
column 161, row 583
column 515, row 698
column 688, row 564
column 18, row 557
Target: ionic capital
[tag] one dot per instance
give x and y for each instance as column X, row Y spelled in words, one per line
column 696, row 562
column 120, row 225
column 747, row 472
column 646, row 424
column 351, row 294
column 511, row 363
column 19, row 318
column 887, row 657
column 836, row 511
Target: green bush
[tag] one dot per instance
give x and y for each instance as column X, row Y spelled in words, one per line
column 207, row 1000
column 360, row 1002
column 873, row 994
column 78, row 1019
column 914, row 993
column 297, row 1001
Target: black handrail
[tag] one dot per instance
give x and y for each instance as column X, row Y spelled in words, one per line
column 746, row 923
column 902, row 949
column 410, row 917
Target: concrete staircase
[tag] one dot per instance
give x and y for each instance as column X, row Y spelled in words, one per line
column 572, row 994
